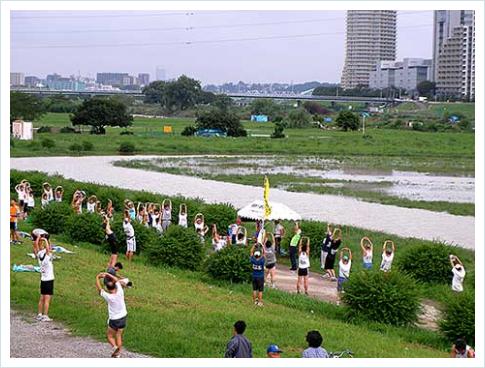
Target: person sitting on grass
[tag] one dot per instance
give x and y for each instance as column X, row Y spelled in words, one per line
column 115, row 297
column 461, row 350
column 458, row 273
column 239, row 346
column 273, row 351
column 270, row 259
column 45, row 257
column 388, row 251
column 14, row 215
column 58, row 194
column 303, row 264
column 326, row 247
column 344, row 268
column 130, row 237
column 332, row 254
column 314, row 350
column 367, row 249
column 257, row 263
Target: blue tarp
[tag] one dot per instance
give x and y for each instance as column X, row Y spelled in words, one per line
column 259, row 118
column 210, row 133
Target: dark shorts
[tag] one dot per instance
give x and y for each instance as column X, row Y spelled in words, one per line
column 21, row 204
column 117, row 324
column 303, row 272
column 13, row 226
column 270, row 266
column 258, row 284
column 340, row 283
column 47, row 287
column 112, row 243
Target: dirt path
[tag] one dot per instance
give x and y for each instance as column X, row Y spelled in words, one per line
column 32, row 339
column 326, row 290
column 405, row 222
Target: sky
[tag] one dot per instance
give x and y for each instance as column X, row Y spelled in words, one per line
column 211, row 46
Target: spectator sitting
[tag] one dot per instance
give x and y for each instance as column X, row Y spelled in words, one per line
column 314, row 350
column 461, row 350
column 239, row 346
column 273, row 351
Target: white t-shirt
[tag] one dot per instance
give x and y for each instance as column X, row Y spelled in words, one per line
column 344, row 269
column 116, row 302
column 30, row 201
column 303, row 260
column 21, row 195
column 91, row 207
column 458, row 277
column 367, row 258
column 199, row 227
column 218, row 245
column 278, row 230
column 50, row 194
column 128, row 229
column 46, row 266
column 183, row 220
column 386, row 261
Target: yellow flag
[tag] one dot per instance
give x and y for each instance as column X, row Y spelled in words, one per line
column 267, row 208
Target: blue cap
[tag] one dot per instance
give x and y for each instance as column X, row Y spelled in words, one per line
column 273, row 349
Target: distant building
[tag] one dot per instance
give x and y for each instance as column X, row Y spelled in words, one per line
column 17, row 79
column 160, row 74
column 144, row 79
column 406, row 74
column 114, row 79
column 65, row 84
column 455, row 53
column 31, row 81
column 370, row 38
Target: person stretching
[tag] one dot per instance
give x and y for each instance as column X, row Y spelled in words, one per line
column 270, row 259
column 461, row 350
column 326, row 248
column 115, row 297
column 111, row 238
column 294, row 243
column 257, row 263
column 458, row 273
column 44, row 256
column 130, row 236
column 345, row 264
column 387, row 255
column 367, row 249
column 303, row 264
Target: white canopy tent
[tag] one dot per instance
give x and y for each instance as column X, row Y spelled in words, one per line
column 255, row 211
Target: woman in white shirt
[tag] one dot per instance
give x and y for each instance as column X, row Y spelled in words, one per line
column 200, row 226
column 59, row 192
column 458, row 273
column 345, row 264
column 91, row 205
column 183, row 215
column 303, row 263
column 367, row 251
column 48, row 189
column 387, row 255
column 218, row 241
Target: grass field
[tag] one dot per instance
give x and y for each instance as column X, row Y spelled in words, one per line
column 174, row 313
column 453, row 149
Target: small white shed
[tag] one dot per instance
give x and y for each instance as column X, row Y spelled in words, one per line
column 22, row 130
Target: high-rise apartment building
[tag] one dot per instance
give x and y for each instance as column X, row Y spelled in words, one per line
column 17, row 79
column 117, row 79
column 144, row 79
column 160, row 74
column 370, row 38
column 454, row 53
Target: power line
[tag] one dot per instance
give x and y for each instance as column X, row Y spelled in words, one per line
column 109, row 15
column 188, row 42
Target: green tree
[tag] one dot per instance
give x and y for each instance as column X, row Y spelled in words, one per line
column 226, row 121
column 222, row 102
column 426, row 88
column 264, row 106
column 278, row 130
column 347, row 120
column 154, row 92
column 101, row 112
column 25, row 106
column 298, row 118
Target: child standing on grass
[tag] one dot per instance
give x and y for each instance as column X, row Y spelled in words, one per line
column 257, row 263
column 44, row 256
column 14, row 215
column 270, row 260
column 388, row 251
column 115, row 297
column 130, row 236
column 367, row 249
column 344, row 268
column 458, row 273
column 303, row 264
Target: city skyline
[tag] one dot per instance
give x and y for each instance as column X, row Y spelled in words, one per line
column 213, row 47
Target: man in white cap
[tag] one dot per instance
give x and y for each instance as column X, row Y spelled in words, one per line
column 257, row 263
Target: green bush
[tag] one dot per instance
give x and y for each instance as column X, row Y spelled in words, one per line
column 126, row 148
column 427, row 262
column 145, row 237
column 459, row 318
column 189, row 131
column 75, row 147
column 87, row 146
column 67, row 130
column 85, row 227
column 220, row 214
column 47, row 143
column 230, row 264
column 126, row 132
column 178, row 247
column 51, row 218
column 44, row 129
column 391, row 297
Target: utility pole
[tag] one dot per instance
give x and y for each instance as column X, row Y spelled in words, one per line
column 363, row 124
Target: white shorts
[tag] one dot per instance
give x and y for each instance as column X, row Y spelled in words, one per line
column 131, row 245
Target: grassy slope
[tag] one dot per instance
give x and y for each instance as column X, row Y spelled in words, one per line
column 173, row 313
column 414, row 145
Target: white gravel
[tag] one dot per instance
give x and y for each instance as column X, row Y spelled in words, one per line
column 32, row 339
column 405, row 222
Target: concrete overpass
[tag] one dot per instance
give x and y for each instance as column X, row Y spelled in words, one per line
column 248, row 96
